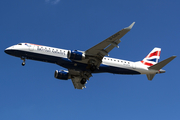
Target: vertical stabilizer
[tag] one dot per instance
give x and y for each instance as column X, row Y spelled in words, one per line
column 152, row 58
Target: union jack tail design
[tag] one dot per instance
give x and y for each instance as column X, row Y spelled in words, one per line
column 152, row 58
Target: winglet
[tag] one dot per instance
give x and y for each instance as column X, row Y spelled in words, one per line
column 130, row 26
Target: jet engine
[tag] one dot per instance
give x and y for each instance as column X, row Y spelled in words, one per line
column 75, row 55
column 62, row 74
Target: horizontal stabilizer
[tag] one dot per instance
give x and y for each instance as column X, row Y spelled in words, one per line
column 161, row 64
column 150, row 76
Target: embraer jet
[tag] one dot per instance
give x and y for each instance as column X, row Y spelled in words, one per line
column 81, row 65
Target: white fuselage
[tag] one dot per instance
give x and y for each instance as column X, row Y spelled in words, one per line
column 59, row 56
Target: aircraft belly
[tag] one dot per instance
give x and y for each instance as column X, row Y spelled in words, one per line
column 65, row 62
column 115, row 70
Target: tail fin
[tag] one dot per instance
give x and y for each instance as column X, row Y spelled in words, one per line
column 152, row 58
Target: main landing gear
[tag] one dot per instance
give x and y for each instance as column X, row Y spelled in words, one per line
column 91, row 65
column 84, row 75
column 23, row 63
column 83, row 81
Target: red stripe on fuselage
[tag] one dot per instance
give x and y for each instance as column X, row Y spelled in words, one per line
column 35, row 44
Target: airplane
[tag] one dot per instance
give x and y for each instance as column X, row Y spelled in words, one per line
column 82, row 64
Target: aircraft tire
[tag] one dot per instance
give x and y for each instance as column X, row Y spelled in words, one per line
column 23, row 63
column 83, row 81
column 93, row 67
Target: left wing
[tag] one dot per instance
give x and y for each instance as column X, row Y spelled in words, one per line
column 79, row 78
column 77, row 83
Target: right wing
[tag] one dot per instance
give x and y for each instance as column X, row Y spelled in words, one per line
column 108, row 44
column 98, row 51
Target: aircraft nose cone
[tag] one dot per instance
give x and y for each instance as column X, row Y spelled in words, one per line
column 7, row 51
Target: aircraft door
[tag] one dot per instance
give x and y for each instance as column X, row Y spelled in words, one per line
column 31, row 47
column 134, row 65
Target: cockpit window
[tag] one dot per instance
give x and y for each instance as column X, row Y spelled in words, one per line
column 20, row 44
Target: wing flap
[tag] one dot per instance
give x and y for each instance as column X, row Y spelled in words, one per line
column 110, row 47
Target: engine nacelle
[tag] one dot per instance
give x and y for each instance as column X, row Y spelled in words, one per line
column 63, row 75
column 75, row 55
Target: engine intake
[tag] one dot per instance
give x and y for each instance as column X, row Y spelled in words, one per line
column 63, row 75
column 75, row 55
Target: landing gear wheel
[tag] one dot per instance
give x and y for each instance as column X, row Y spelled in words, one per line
column 83, row 81
column 23, row 63
column 93, row 67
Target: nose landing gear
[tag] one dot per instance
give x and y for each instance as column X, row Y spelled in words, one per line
column 23, row 63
